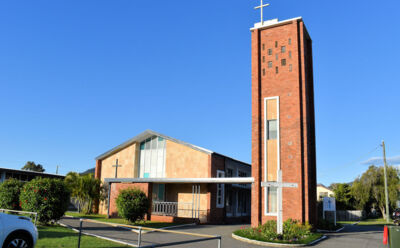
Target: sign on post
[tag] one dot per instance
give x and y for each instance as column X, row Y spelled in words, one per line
column 329, row 204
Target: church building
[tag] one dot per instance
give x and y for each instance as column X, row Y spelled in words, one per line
column 283, row 125
column 184, row 182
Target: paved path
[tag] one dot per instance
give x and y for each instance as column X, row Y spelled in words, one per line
column 350, row 237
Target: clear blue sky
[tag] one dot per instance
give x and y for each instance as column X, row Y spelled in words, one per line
column 80, row 77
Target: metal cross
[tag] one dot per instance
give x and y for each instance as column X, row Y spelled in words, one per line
column 116, row 167
column 261, row 10
column 279, row 185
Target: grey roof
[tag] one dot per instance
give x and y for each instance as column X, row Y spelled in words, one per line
column 149, row 133
column 30, row 172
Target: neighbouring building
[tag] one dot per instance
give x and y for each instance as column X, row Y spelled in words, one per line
column 183, row 181
column 24, row 175
column 323, row 191
column 283, row 125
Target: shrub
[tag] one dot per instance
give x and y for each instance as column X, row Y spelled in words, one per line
column 327, row 225
column 132, row 204
column 293, row 232
column 9, row 194
column 48, row 197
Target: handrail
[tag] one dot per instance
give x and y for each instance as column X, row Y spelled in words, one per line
column 18, row 211
column 140, row 228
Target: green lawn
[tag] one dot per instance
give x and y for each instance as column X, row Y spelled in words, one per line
column 379, row 221
column 367, row 222
column 100, row 217
column 57, row 236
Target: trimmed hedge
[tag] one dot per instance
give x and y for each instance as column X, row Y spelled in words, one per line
column 9, row 194
column 132, row 204
column 48, row 197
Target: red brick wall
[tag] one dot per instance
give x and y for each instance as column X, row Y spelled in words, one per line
column 116, row 187
column 297, row 131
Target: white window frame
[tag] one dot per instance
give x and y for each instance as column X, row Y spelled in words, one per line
column 266, row 213
column 220, row 173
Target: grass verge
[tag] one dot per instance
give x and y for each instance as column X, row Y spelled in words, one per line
column 255, row 236
column 100, row 217
column 374, row 222
column 58, row 236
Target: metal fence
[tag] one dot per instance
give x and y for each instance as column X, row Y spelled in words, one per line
column 22, row 212
column 170, row 208
column 139, row 230
column 350, row 215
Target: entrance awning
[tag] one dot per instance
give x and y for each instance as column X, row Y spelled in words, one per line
column 219, row 180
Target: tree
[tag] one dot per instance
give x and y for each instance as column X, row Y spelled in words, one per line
column 369, row 189
column 31, row 166
column 344, row 197
column 85, row 188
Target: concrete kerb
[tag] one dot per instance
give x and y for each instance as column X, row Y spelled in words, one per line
column 269, row 244
column 97, row 236
column 330, row 231
column 143, row 231
column 204, row 237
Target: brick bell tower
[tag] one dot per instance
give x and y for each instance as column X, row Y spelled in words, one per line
column 283, row 125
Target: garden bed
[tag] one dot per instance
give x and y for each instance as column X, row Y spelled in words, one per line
column 294, row 234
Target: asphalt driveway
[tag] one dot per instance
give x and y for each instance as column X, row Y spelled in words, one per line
column 351, row 237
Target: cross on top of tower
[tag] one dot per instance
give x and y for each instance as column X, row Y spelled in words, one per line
column 261, row 7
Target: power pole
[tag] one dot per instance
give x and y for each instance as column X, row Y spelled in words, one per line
column 57, row 170
column 386, row 188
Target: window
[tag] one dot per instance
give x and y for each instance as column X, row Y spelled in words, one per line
column 272, row 130
column 283, row 49
column 270, row 51
column 283, row 62
column 290, row 54
column 263, row 72
column 242, row 174
column 220, row 190
column 158, row 193
column 271, row 200
column 276, row 56
column 263, row 59
column 229, row 172
column 269, row 64
column 276, row 44
column 290, row 41
column 276, row 69
column 263, row 47
column 152, row 158
column 290, row 67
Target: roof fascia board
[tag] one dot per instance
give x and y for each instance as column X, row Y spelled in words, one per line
column 233, row 180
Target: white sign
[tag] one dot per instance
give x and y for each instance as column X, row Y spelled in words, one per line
column 329, row 204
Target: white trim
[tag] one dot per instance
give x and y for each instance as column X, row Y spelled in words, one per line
column 221, row 174
column 228, row 180
column 273, row 22
column 265, row 149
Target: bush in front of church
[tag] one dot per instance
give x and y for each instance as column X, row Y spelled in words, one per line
column 132, row 204
column 9, row 194
column 294, row 232
column 46, row 196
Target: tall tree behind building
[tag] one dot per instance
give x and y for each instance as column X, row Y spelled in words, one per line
column 31, row 166
column 369, row 189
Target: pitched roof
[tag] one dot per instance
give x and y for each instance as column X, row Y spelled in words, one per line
column 150, row 133
column 147, row 134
